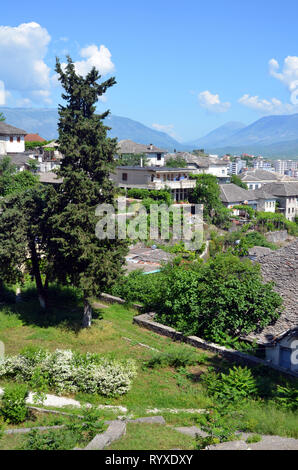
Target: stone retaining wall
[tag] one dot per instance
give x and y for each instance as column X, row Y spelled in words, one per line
column 278, row 236
column 147, row 321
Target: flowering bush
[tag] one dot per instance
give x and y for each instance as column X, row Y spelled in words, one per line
column 66, row 371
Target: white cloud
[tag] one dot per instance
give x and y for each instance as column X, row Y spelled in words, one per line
column 168, row 128
column 212, row 102
column 22, row 52
column 100, row 58
column 289, row 74
column 271, row 106
column 2, row 93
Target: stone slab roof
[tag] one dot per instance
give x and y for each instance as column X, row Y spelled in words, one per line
column 128, row 146
column 281, row 267
column 18, row 159
column 230, row 192
column 7, row 129
column 286, row 188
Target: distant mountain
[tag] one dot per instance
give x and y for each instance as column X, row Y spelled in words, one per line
column 218, row 135
column 282, row 150
column 44, row 122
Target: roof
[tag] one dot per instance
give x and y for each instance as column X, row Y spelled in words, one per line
column 198, row 161
column 49, row 177
column 281, row 267
column 7, row 129
column 18, row 159
column 232, row 193
column 262, row 193
column 285, row 188
column 128, row 146
column 258, row 175
column 34, row 138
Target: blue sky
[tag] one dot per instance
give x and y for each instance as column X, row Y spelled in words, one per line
column 183, row 67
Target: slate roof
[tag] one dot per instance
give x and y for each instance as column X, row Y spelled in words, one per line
column 18, row 159
column 281, row 267
column 202, row 162
column 258, row 175
column 7, row 129
column 285, row 188
column 49, row 177
column 128, row 146
column 263, row 193
column 232, row 193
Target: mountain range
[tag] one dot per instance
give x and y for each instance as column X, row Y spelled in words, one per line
column 273, row 136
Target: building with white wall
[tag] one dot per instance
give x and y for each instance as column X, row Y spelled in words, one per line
column 153, row 156
column 12, row 139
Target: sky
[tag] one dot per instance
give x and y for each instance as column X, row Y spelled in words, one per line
column 181, row 67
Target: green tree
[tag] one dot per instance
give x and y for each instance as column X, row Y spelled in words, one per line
column 79, row 257
column 236, row 180
column 176, row 162
column 12, row 181
column 207, row 192
column 2, row 117
column 132, row 159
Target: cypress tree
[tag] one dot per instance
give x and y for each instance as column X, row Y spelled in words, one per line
column 79, row 257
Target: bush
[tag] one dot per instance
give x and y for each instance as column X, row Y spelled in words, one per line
column 287, row 396
column 176, row 357
column 157, row 195
column 237, row 385
column 253, row 439
column 65, row 371
column 50, row 440
column 13, row 405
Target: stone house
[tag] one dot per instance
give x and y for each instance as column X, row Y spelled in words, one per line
column 255, row 179
column 286, row 194
column 154, row 156
column 150, row 177
column 204, row 165
column 12, row 139
column 280, row 339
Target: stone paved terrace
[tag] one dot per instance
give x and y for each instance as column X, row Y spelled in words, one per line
column 281, row 266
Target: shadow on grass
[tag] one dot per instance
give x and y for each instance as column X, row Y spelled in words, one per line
column 65, row 308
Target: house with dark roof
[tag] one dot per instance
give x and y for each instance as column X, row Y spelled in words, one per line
column 154, row 156
column 204, row 165
column 255, row 179
column 280, row 339
column 232, row 195
column 12, row 139
column 286, row 193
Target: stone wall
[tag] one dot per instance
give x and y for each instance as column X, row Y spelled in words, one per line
column 278, row 236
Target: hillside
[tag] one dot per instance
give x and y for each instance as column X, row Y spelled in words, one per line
column 44, row 122
column 218, row 135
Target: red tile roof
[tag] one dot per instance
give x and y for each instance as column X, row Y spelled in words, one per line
column 33, row 138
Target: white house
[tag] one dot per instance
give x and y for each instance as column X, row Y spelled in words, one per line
column 12, row 139
column 153, row 156
column 204, row 165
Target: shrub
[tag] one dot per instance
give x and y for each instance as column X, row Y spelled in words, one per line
column 253, row 439
column 237, row 385
column 13, row 405
column 176, row 357
column 287, row 396
column 88, row 426
column 50, row 440
column 64, row 371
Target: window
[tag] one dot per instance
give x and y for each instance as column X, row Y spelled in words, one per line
column 124, row 176
column 285, row 357
column 11, row 138
column 19, row 139
column 159, row 156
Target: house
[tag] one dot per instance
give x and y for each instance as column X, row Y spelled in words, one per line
column 20, row 160
column 266, row 201
column 204, row 165
column 150, row 177
column 255, row 179
column 286, row 194
column 232, row 195
column 280, row 339
column 34, row 138
column 154, row 156
column 12, row 139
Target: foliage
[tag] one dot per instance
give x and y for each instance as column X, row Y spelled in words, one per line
column 20, row 182
column 207, row 192
column 33, row 145
column 287, row 396
column 162, row 195
column 88, row 426
column 236, row 180
column 218, row 429
column 270, row 221
column 50, row 440
column 253, row 439
column 87, row 260
column 242, row 303
column 175, row 357
column 65, row 371
column 237, row 384
column 132, row 159
column 2, row 117
column 13, row 403
column 176, row 162
column 250, row 212
column 137, row 287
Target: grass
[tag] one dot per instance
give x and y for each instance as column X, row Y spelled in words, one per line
column 152, row 437
column 163, row 386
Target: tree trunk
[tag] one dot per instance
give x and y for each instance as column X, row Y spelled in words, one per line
column 42, row 297
column 87, row 317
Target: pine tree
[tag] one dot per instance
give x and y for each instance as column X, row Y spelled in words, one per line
column 79, row 257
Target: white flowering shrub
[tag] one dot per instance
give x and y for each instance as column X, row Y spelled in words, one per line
column 66, row 371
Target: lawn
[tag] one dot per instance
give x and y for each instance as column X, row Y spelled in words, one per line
column 113, row 334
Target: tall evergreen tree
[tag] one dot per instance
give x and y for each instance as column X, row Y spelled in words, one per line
column 78, row 255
